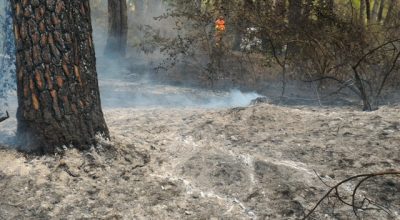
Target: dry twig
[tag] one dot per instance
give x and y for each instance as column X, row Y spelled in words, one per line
column 5, row 117
column 365, row 201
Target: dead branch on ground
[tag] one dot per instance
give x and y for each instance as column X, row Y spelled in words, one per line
column 365, row 202
column 5, row 117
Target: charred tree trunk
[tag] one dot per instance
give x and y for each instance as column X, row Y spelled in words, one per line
column 295, row 23
column 117, row 28
column 294, row 16
column 58, row 93
column 368, row 10
column 380, row 13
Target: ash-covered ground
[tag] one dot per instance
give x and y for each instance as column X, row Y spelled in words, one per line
column 202, row 162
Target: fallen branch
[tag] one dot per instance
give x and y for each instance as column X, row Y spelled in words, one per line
column 5, row 117
column 355, row 208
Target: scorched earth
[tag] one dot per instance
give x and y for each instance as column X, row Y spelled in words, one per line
column 254, row 162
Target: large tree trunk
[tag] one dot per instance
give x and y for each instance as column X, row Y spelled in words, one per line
column 117, row 28
column 58, row 93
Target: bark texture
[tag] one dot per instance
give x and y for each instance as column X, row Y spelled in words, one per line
column 58, row 93
column 117, row 28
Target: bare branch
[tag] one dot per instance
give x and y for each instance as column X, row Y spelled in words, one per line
column 355, row 208
column 5, row 117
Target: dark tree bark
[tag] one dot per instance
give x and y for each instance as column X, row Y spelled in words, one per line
column 295, row 23
column 294, row 16
column 117, row 28
column 380, row 13
column 58, row 93
column 368, row 10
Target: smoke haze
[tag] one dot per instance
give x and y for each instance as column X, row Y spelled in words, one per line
column 126, row 82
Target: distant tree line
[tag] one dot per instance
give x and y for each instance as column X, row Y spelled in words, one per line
column 353, row 44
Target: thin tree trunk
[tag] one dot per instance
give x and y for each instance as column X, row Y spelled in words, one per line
column 117, row 28
column 375, row 8
column 391, row 11
column 294, row 15
column 295, row 23
column 368, row 9
column 58, row 94
column 362, row 11
column 380, row 13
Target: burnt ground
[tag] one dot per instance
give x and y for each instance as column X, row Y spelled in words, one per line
column 254, row 162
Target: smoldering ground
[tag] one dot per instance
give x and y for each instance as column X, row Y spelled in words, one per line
column 169, row 162
column 128, row 82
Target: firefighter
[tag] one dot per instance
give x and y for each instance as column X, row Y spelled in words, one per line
column 219, row 30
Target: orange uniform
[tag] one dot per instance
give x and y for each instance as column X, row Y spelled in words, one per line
column 220, row 25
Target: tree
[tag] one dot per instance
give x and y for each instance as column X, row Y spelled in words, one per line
column 57, row 86
column 391, row 13
column 117, row 28
column 362, row 11
column 368, row 9
column 380, row 12
column 295, row 22
column 375, row 8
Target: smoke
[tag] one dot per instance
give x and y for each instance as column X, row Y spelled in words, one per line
column 129, row 82
column 120, row 94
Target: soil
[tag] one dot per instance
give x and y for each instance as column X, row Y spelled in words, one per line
column 254, row 162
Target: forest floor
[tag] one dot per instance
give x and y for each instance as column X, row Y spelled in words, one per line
column 253, row 162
